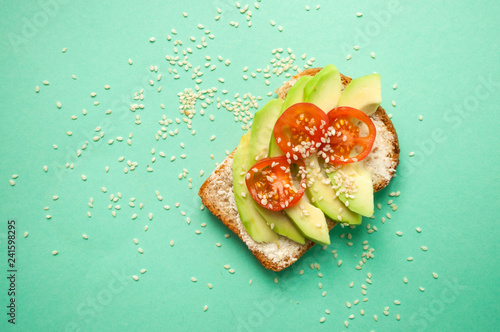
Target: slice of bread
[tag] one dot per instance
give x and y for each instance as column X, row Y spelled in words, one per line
column 218, row 196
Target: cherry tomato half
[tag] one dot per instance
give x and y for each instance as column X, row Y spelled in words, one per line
column 271, row 185
column 299, row 130
column 343, row 136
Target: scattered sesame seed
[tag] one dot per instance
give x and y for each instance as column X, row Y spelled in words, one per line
column 418, row 229
column 409, row 259
column 359, row 14
column 135, row 277
column 421, row 289
column 45, row 82
column 12, row 183
column 424, row 248
column 55, row 252
column 435, row 275
column 372, row 54
column 193, row 279
column 412, row 154
column 405, row 280
column 322, row 320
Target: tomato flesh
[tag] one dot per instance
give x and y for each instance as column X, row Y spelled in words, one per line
column 271, row 185
column 343, row 136
column 298, row 131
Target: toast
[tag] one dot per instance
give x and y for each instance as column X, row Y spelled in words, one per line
column 217, row 191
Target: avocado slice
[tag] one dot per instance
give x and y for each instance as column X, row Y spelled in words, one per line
column 264, row 121
column 361, row 183
column 324, row 89
column 295, row 95
column 262, row 129
column 280, row 224
column 310, row 221
column 363, row 93
column 253, row 222
column 320, row 192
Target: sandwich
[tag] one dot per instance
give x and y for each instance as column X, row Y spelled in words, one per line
column 313, row 158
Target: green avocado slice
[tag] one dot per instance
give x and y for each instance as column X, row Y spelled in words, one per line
column 363, row 93
column 253, row 222
column 280, row 224
column 320, row 192
column 262, row 129
column 356, row 179
column 310, row 221
column 324, row 89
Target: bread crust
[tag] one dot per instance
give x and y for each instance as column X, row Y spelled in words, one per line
column 221, row 179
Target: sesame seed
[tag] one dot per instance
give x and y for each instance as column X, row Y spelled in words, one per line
column 140, row 250
column 346, row 323
column 405, row 280
column 143, row 271
column 398, row 317
column 275, row 280
column 146, row 228
column 322, row 320
column 84, row 178
column 411, row 154
column 58, row 104
column 359, row 14
column 421, row 289
column 396, row 302
column 136, row 241
column 45, row 82
column 318, row 7
column 424, row 248
column 193, row 279
column 409, row 259
column 418, row 229
column 135, row 277
column 435, row 275
column 48, row 216
column 372, row 54
column 399, row 233
column 375, row 317
column 339, row 262
column 55, row 252
column 12, row 183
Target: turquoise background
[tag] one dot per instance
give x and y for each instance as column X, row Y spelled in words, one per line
column 444, row 56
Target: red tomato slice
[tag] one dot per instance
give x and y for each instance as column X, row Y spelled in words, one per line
column 270, row 183
column 298, row 131
column 343, row 136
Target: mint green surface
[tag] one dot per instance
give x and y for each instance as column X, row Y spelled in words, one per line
column 444, row 56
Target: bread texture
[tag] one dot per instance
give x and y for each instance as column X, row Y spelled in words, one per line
column 217, row 191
